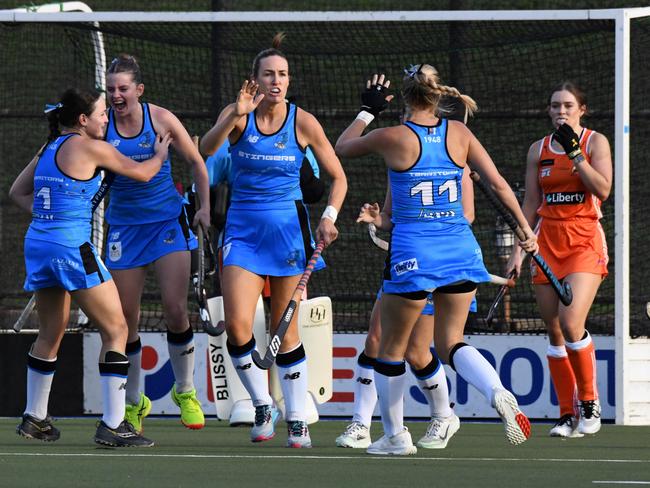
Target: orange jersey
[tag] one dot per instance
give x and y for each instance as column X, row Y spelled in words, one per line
column 564, row 194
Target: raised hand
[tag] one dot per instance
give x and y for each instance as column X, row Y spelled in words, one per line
column 569, row 141
column 374, row 98
column 368, row 213
column 248, row 99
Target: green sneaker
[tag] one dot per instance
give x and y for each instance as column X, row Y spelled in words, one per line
column 135, row 414
column 191, row 413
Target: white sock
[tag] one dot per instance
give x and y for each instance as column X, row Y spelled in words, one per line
column 293, row 381
column 254, row 379
column 435, row 390
column 135, row 367
column 113, row 377
column 365, row 394
column 40, row 373
column 390, row 391
column 476, row 370
column 181, row 355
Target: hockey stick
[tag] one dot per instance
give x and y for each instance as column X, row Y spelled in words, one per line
column 377, row 241
column 198, row 280
column 274, row 344
column 563, row 290
column 382, row 244
column 497, row 299
column 96, row 200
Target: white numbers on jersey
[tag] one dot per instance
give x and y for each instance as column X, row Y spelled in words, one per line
column 44, row 193
column 425, row 188
column 434, row 139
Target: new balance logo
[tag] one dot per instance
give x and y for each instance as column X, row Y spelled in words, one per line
column 244, row 366
column 292, row 376
column 122, row 386
column 432, row 387
column 188, row 352
column 364, row 381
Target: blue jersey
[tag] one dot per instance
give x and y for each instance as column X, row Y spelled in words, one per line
column 135, row 202
column 62, row 210
column 266, row 167
column 429, row 191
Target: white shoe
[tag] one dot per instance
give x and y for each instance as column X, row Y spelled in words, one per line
column 567, row 426
column 516, row 423
column 589, row 422
column 298, row 434
column 356, row 435
column 439, row 432
column 400, row 444
column 264, row 427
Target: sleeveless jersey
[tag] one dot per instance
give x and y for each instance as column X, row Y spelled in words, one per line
column 62, row 210
column 266, row 167
column 564, row 194
column 133, row 202
column 430, row 190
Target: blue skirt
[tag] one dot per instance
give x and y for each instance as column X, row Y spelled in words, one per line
column 269, row 239
column 428, row 256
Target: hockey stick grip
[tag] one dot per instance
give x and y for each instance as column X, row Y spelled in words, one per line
column 276, row 340
column 563, row 290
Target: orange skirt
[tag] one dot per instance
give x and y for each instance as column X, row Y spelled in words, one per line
column 571, row 246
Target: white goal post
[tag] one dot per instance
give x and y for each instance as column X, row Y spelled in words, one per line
column 632, row 355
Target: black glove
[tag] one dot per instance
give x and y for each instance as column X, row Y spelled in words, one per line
column 373, row 99
column 568, row 140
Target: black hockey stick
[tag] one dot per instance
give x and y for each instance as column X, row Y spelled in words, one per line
column 274, row 344
column 96, row 200
column 199, row 272
column 563, row 290
column 497, row 299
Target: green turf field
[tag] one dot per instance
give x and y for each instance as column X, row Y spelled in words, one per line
column 218, row 455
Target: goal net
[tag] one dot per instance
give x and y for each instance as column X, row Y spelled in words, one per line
column 195, row 68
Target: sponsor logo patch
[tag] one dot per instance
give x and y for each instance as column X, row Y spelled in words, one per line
column 405, row 266
column 115, row 251
column 565, row 198
column 547, row 162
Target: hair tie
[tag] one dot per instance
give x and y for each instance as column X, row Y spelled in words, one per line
column 52, row 108
column 414, row 69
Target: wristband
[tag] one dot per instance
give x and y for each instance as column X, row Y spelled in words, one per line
column 579, row 158
column 330, row 213
column 366, row 117
column 574, row 154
